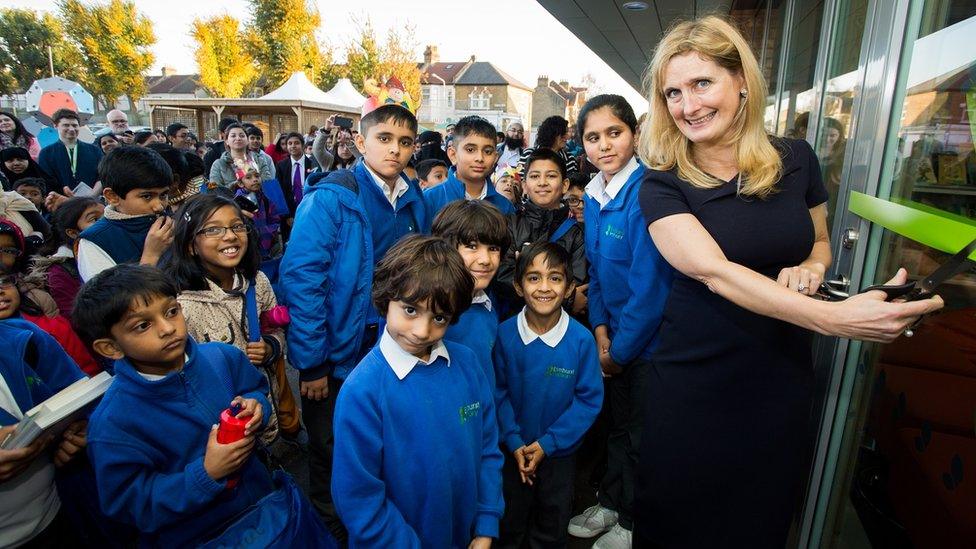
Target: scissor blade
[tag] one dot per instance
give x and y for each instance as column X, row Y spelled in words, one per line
column 956, row 264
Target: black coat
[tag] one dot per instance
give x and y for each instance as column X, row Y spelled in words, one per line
column 283, row 172
column 534, row 224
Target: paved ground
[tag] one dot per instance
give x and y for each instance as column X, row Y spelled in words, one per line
column 294, row 459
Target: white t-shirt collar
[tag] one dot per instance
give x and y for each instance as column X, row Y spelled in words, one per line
column 398, row 191
column 481, row 297
column 402, row 362
column 550, row 338
column 604, row 192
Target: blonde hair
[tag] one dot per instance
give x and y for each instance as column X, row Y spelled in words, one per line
column 662, row 146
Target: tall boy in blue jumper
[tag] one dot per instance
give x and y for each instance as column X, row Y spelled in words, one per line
column 473, row 153
column 548, row 391
column 480, row 233
column 346, row 222
column 136, row 183
column 152, row 439
column 415, row 426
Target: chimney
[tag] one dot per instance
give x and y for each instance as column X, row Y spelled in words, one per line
column 543, row 82
column 472, row 59
column 431, row 56
column 564, row 84
column 168, row 71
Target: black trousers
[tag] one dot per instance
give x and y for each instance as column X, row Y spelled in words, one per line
column 318, row 417
column 537, row 514
column 624, row 396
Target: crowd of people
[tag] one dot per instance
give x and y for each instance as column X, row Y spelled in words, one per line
column 460, row 309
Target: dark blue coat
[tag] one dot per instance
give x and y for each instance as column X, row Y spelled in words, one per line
column 54, row 160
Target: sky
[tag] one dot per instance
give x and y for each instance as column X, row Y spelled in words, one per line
column 518, row 36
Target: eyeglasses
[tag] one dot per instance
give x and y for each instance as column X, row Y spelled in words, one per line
column 10, row 251
column 573, row 201
column 239, row 229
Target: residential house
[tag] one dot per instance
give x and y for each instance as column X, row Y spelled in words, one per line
column 552, row 98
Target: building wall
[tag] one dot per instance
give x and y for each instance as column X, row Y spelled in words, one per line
column 545, row 103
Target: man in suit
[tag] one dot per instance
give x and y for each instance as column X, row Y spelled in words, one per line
column 293, row 170
column 68, row 160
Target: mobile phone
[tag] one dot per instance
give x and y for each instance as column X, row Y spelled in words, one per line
column 343, row 122
column 246, row 204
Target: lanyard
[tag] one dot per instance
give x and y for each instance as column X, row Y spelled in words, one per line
column 73, row 157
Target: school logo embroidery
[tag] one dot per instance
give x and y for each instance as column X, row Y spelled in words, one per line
column 614, row 232
column 32, row 381
column 470, row 411
column 563, row 373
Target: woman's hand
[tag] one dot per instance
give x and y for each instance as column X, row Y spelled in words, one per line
column 804, row 278
column 869, row 317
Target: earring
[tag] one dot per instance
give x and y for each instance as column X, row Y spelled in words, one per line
column 743, row 93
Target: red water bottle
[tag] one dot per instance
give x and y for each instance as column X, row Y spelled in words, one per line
column 231, row 429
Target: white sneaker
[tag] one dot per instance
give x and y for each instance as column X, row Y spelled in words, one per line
column 616, row 538
column 592, row 522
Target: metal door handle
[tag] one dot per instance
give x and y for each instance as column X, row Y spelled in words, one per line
column 850, row 238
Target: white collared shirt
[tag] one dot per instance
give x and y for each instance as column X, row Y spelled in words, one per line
column 402, row 362
column 396, row 192
column 550, row 338
column 484, row 193
column 604, row 192
column 481, row 297
column 300, row 163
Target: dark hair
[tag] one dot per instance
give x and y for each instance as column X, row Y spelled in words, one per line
column 294, row 135
column 421, row 268
column 194, row 164
column 550, row 130
column 31, row 182
column 19, row 129
column 141, row 137
column 254, row 130
column 103, row 301
column 473, row 125
column 618, row 106
column 232, row 126
column 174, row 128
column 281, row 141
column 465, row 221
column 394, row 114
column 425, row 166
column 542, row 153
column 555, row 255
column 174, row 158
column 64, row 218
column 64, row 113
column 187, row 271
column 158, row 132
column 224, row 123
column 103, row 136
column 127, row 168
column 578, row 181
column 499, row 135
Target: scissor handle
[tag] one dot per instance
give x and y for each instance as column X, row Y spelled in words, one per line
column 910, row 291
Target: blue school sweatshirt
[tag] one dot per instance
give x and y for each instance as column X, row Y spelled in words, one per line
column 147, row 441
column 629, row 279
column 477, row 329
column 548, row 390
column 453, row 189
column 342, row 228
column 417, row 460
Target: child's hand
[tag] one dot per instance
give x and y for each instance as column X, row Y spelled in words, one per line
column 74, row 440
column 221, row 460
column 533, row 455
column 579, row 299
column 158, row 239
column 258, row 352
column 521, row 461
column 14, row 462
column 607, row 364
column 480, row 542
column 249, row 407
column 317, row 389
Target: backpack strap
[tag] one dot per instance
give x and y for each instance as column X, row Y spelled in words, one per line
column 251, row 307
column 562, row 229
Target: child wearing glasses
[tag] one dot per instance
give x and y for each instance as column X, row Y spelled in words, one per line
column 267, row 221
column 214, row 261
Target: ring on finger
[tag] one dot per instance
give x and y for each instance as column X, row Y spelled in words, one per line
column 801, row 288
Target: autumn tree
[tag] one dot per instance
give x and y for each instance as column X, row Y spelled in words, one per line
column 281, row 37
column 367, row 58
column 226, row 68
column 24, row 40
column 115, row 41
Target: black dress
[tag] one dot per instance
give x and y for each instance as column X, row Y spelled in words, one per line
column 724, row 445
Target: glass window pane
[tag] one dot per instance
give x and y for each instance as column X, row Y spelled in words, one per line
column 799, row 97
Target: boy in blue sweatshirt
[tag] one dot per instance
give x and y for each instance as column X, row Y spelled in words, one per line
column 136, row 183
column 480, row 233
column 548, row 392
column 153, row 438
column 415, row 426
column 472, row 151
column 346, row 222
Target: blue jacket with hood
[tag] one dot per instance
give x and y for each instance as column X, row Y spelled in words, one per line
column 453, row 189
column 629, row 279
column 147, row 441
column 344, row 225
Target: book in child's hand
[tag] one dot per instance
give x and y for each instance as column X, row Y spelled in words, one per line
column 55, row 414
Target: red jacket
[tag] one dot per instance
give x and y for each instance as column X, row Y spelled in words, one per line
column 60, row 329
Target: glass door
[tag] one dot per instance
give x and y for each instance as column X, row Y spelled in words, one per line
column 899, row 449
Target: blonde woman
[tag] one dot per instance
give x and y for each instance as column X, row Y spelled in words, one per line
column 742, row 217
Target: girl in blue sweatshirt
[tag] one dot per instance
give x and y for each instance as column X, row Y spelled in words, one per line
column 629, row 282
column 548, row 392
column 416, row 438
